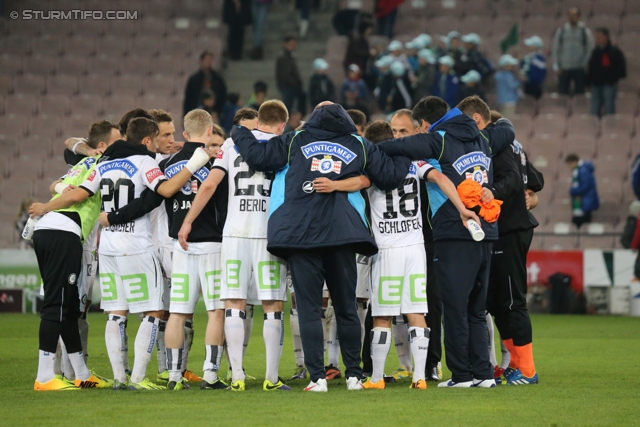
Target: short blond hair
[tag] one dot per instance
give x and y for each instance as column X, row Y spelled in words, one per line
column 196, row 122
column 273, row 113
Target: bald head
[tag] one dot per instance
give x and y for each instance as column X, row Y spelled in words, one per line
column 323, row 104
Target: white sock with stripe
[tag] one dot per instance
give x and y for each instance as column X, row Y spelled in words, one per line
column 234, row 332
column 419, row 338
column 273, row 335
column 144, row 345
column 380, row 345
column 114, row 334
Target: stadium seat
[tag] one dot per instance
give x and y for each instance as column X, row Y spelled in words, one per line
column 152, row 100
column 47, row 45
column 17, row 45
column 86, row 103
column 168, row 65
column 627, row 104
column 527, row 105
column 583, row 124
column 29, row 84
column 615, row 146
column 117, row 45
column 612, row 22
column 558, row 243
column 128, row 83
column 79, row 46
column 95, row 84
column 41, row 65
column 21, row 104
column 160, row 84
column 546, row 145
column 631, row 7
column 618, row 123
column 483, row 8
column 72, row 65
column 11, row 64
column 45, row 125
column 117, row 103
column 608, row 7
column 103, row 66
column 62, row 84
column 13, row 126
column 523, row 125
column 582, row 145
column 542, row 25
column 137, row 65
column 631, row 22
column 546, row 8
column 551, row 124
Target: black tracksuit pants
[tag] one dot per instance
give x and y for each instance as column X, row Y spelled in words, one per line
column 309, row 270
column 462, row 267
column 434, row 316
column 59, row 255
column 507, row 294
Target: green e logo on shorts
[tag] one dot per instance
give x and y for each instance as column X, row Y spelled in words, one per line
column 269, row 275
column 418, row 287
column 390, row 290
column 179, row 288
column 213, row 284
column 108, row 287
column 233, row 273
column 136, row 284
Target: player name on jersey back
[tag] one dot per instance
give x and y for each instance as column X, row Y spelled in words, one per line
column 395, row 215
column 249, row 192
column 119, row 182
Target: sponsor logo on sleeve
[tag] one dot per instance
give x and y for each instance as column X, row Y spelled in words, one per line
column 154, row 174
column 93, row 175
column 220, row 154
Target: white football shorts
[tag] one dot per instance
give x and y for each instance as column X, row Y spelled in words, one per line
column 132, row 282
column 195, row 270
column 399, row 281
column 87, row 277
column 165, row 255
column 242, row 257
column 363, row 264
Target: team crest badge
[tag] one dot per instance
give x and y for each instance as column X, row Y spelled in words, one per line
column 478, row 175
column 326, row 165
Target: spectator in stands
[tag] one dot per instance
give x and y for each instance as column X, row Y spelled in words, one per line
column 259, row 95
column 607, row 65
column 260, row 9
column 208, row 103
column 21, row 220
column 288, row 77
column 353, row 83
column 346, row 21
column 236, row 14
column 472, row 85
column 507, row 85
column 353, row 102
column 229, row 111
column 386, row 12
column 321, row 87
column 533, row 69
column 450, row 45
column 304, row 13
column 472, row 58
column 395, row 90
column 584, row 194
column 630, row 238
column 446, row 84
column 572, row 44
column 358, row 50
column 411, row 51
column 396, row 52
column 425, row 75
column 205, row 78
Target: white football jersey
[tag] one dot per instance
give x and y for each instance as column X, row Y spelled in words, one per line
column 120, row 181
column 249, row 192
column 395, row 215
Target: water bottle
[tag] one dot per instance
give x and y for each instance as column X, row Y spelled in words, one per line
column 27, row 233
column 475, row 230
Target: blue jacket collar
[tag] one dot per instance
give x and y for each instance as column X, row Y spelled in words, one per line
column 450, row 114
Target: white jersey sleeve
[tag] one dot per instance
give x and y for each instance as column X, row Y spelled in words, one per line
column 395, row 214
column 423, row 168
column 222, row 159
column 92, row 183
column 151, row 174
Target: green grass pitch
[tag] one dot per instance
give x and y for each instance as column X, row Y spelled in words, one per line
column 589, row 371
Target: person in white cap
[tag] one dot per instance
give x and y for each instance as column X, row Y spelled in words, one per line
column 395, row 90
column 534, row 67
column 473, row 59
column 450, row 46
column 472, row 85
column 354, row 83
column 507, row 85
column 425, row 75
column 411, row 52
column 446, row 84
column 321, row 87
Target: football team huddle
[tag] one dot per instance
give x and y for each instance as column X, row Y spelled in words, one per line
column 159, row 224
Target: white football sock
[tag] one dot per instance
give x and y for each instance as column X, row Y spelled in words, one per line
column 492, row 341
column 160, row 346
column 333, row 342
column 419, row 338
column 125, row 348
column 188, row 342
column 174, row 363
column 234, row 331
column 506, row 356
column 380, row 345
column 79, row 367
column 213, row 356
column 401, row 340
column 83, row 327
column 248, row 328
column 114, row 335
column 67, row 368
column 362, row 314
column 297, row 340
column 57, row 363
column 273, row 334
column 144, row 345
column 46, row 371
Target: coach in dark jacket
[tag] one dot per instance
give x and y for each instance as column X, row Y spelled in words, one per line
column 607, row 66
column 205, row 78
column 320, row 233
